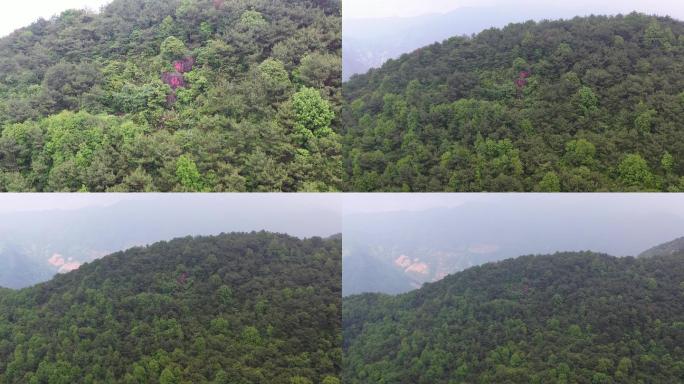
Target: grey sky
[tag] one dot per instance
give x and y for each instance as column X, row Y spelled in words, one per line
column 516, row 224
column 271, row 211
column 629, row 202
column 30, row 202
column 17, row 14
column 353, row 9
column 43, row 234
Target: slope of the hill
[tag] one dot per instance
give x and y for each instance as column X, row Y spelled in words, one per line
column 564, row 318
column 587, row 104
column 234, row 308
column 670, row 248
column 189, row 95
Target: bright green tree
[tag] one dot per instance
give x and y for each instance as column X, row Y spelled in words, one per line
column 173, row 49
column 635, row 172
column 588, row 101
column 550, row 183
column 313, row 114
column 188, row 175
column 580, row 152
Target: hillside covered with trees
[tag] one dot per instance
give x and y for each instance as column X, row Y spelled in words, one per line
column 565, row 318
column 588, row 104
column 670, row 248
column 174, row 95
column 234, row 308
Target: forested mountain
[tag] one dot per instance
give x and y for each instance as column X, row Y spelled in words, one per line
column 369, row 42
column 670, row 248
column 564, row 318
column 235, row 308
column 394, row 252
column 174, row 95
column 588, row 104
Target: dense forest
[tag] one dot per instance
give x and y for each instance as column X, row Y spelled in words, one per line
column 581, row 318
column 588, row 104
column 174, row 95
column 241, row 308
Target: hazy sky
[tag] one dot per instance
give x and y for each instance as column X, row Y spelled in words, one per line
column 17, row 14
column 391, row 202
column 514, row 224
column 28, row 202
column 407, row 8
column 32, row 202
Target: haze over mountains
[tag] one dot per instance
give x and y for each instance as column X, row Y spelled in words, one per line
column 393, row 252
column 369, row 42
column 36, row 245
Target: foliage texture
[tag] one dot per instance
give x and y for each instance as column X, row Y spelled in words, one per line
column 588, row 104
column 236, row 308
column 174, row 95
column 565, row 318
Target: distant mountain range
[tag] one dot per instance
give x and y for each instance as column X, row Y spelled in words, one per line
column 18, row 270
column 396, row 252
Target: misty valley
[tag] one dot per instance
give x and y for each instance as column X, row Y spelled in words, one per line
column 395, row 252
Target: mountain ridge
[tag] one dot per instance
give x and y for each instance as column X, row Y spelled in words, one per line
column 670, row 248
column 77, row 234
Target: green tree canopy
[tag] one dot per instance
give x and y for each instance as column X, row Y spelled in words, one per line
column 209, row 80
column 157, row 314
column 572, row 98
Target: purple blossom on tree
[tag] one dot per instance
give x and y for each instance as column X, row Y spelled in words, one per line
column 185, row 65
column 173, row 79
